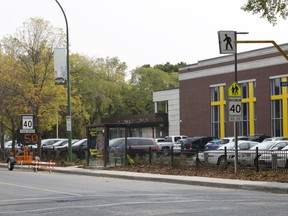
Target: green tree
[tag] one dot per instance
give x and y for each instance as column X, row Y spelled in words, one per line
column 100, row 84
column 8, row 122
column 32, row 77
column 167, row 67
column 269, row 9
column 144, row 81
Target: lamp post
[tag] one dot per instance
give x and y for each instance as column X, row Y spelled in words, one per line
column 68, row 118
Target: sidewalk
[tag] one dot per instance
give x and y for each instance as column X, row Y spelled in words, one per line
column 273, row 187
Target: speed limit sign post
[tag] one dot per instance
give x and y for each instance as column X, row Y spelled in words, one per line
column 27, row 134
column 235, row 109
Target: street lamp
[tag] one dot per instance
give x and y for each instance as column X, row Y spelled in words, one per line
column 68, row 118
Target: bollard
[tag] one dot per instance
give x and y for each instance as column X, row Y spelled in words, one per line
column 274, row 161
column 150, row 156
column 172, row 156
column 197, row 156
column 256, row 160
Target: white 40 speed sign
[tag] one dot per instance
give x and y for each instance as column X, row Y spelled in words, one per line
column 27, row 122
column 235, row 109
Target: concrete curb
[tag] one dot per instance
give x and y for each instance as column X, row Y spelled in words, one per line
column 272, row 187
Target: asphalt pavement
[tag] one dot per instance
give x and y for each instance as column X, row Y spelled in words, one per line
column 273, row 187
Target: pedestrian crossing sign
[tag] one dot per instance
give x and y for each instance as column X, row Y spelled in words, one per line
column 227, row 42
column 234, row 90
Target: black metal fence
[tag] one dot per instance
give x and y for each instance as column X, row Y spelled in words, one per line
column 254, row 159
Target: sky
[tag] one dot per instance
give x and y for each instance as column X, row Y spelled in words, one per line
column 140, row 32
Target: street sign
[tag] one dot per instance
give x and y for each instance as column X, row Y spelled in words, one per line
column 283, row 84
column 227, row 43
column 235, row 109
column 27, row 130
column 27, row 138
column 27, row 122
column 68, row 123
column 234, row 90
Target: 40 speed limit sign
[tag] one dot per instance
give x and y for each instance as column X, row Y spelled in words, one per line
column 235, row 109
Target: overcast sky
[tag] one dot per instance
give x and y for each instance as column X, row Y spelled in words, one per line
column 142, row 32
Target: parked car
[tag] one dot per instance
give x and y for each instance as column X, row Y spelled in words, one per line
column 48, row 142
column 218, row 156
column 79, row 149
column 258, row 137
column 192, row 143
column 271, row 145
column 53, row 145
column 169, row 142
column 242, row 145
column 58, row 148
column 159, row 139
column 212, row 145
column 249, row 157
column 274, row 139
column 8, row 146
column 275, row 158
column 135, row 145
column 62, row 148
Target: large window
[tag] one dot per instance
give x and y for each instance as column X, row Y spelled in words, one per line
column 279, row 95
column 218, row 102
column 247, row 125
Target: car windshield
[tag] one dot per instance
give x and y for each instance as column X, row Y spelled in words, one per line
column 263, row 146
column 113, row 141
column 224, row 141
column 285, row 148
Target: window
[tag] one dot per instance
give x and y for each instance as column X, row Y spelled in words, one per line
column 247, row 125
column 275, row 87
column 279, row 96
column 276, row 117
column 218, row 102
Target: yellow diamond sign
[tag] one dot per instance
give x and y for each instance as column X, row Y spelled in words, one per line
column 234, row 90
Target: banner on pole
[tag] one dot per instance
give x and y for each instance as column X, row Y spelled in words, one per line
column 60, row 66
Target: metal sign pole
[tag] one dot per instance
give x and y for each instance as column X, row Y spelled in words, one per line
column 235, row 122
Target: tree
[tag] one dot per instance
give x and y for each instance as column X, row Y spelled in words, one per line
column 32, row 78
column 100, row 84
column 167, row 67
column 269, row 9
column 144, row 81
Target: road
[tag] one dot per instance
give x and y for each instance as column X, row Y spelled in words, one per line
column 28, row 193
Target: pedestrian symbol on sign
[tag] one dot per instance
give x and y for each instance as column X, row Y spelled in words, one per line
column 234, row 90
column 227, row 42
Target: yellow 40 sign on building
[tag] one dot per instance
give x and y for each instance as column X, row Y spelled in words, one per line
column 235, row 105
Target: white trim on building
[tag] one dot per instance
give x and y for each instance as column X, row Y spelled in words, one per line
column 171, row 98
column 230, row 58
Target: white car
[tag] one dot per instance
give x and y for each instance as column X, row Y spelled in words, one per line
column 218, row 156
column 249, row 157
column 275, row 159
column 274, row 139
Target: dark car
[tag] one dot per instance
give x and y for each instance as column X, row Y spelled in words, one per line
column 197, row 142
column 135, row 145
column 79, row 149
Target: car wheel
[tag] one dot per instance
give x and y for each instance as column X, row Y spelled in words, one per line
column 10, row 165
column 222, row 161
